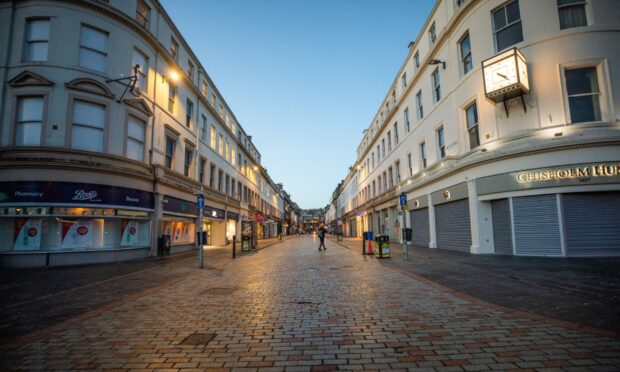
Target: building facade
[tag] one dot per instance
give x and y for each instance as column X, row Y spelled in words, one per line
column 501, row 130
column 109, row 128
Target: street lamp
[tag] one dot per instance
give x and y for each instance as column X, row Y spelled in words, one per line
column 436, row 62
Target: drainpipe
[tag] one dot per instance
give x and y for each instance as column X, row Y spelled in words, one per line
column 6, row 67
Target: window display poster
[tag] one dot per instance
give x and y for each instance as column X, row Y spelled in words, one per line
column 77, row 234
column 186, row 232
column 178, row 229
column 167, row 228
column 129, row 233
column 27, row 234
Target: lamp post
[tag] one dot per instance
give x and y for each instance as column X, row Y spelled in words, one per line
column 200, row 201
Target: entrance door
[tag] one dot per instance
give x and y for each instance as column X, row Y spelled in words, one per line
column 453, row 227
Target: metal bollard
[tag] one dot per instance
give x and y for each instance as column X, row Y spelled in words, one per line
column 363, row 244
column 234, row 252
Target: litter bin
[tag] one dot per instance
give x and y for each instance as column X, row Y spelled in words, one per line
column 163, row 245
column 382, row 249
column 407, row 234
column 204, row 237
column 246, row 242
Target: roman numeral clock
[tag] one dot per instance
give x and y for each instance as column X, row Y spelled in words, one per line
column 505, row 77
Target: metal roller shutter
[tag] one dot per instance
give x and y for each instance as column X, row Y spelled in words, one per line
column 537, row 229
column 420, row 230
column 502, row 227
column 453, row 227
column 591, row 224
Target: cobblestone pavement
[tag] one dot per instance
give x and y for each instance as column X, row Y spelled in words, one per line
column 291, row 307
column 578, row 290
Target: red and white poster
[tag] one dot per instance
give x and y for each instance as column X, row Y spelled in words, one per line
column 27, row 234
column 129, row 233
column 187, row 232
column 167, row 228
column 77, row 234
column 178, row 227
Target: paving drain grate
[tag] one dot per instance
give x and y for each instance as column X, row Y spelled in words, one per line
column 220, row 291
column 198, row 339
column 302, row 302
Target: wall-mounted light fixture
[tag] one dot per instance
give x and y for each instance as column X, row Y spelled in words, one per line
column 436, row 62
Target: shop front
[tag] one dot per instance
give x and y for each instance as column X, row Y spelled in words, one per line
column 179, row 222
column 452, row 218
column 214, row 223
column 232, row 218
column 63, row 223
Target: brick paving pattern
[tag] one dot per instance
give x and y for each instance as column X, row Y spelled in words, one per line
column 293, row 308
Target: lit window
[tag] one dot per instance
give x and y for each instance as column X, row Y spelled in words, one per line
column 37, row 39
column 465, row 48
column 221, row 145
column 203, row 89
column 88, row 125
column 471, row 116
column 93, row 48
column 572, row 13
column 29, row 121
column 213, row 139
column 135, row 138
column 583, row 94
column 507, row 25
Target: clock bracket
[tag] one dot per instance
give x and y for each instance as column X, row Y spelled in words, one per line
column 506, row 106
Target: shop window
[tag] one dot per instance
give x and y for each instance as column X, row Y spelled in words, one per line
column 135, row 138
column 507, row 25
column 88, row 126
column 180, row 232
column 584, row 96
column 572, row 13
column 471, row 117
column 93, row 48
column 37, row 40
column 29, row 121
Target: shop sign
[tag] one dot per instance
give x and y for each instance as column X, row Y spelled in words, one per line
column 73, row 193
column 213, row 213
column 584, row 173
column 232, row 216
column 259, row 218
column 170, row 204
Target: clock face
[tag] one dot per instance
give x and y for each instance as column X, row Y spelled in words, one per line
column 500, row 74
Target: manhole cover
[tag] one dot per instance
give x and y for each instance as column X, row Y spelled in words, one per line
column 219, row 291
column 198, row 339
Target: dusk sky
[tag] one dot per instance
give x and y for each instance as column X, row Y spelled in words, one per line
column 304, row 78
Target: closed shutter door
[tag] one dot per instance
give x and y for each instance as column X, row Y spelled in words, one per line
column 420, row 230
column 537, row 229
column 453, row 228
column 592, row 224
column 502, row 228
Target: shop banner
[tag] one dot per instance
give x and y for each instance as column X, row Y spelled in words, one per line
column 129, row 233
column 73, row 193
column 175, row 205
column 77, row 234
column 27, row 234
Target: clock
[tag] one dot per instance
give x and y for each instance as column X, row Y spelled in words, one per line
column 505, row 76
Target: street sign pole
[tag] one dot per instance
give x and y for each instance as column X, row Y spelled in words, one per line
column 404, row 208
column 200, row 202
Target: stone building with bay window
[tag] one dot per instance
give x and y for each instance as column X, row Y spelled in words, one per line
column 109, row 127
column 501, row 130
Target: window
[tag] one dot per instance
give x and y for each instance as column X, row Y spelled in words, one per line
column 232, row 186
column 407, row 124
column 572, row 13
column 189, row 111
column 93, row 49
column 404, row 80
column 441, row 143
column 239, row 188
column 203, row 88
column 201, row 170
column 174, row 49
column 583, row 94
column 221, row 111
column 436, row 85
column 220, row 179
column 139, row 58
column 232, row 155
column 384, row 181
column 423, row 154
column 221, row 145
column 379, row 183
column 391, row 174
column 212, row 176
column 189, row 156
column 135, row 138
column 29, row 121
column 396, row 133
column 373, row 160
column 143, row 13
column 420, row 108
column 170, row 146
column 378, row 154
column 374, row 188
column 471, row 117
column 213, row 139
column 227, row 120
column 393, row 97
column 507, row 25
column 465, row 49
column 226, row 185
column 37, row 39
column 172, row 93
column 190, row 70
column 416, row 59
column 227, row 150
column 410, row 164
column 459, row 3
column 203, row 128
column 389, row 138
column 432, row 34
column 88, row 125
column 383, row 148
column 213, row 100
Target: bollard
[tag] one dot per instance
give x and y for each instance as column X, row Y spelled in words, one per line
column 234, row 252
column 363, row 243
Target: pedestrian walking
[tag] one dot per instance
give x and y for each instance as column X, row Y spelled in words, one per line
column 322, row 231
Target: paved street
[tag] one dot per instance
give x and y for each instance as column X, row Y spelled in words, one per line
column 290, row 307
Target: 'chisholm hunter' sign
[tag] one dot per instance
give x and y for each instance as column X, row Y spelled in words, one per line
column 584, row 172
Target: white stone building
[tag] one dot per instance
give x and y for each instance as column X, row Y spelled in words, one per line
column 92, row 172
column 502, row 129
